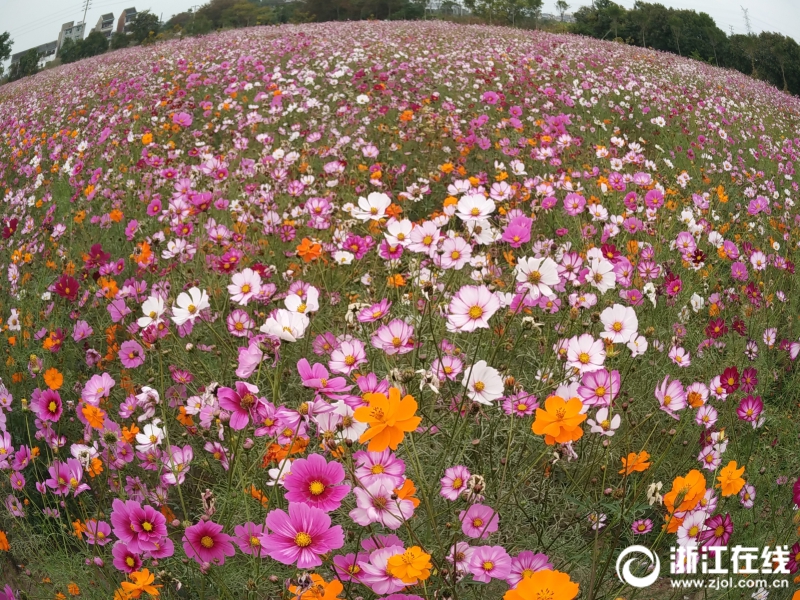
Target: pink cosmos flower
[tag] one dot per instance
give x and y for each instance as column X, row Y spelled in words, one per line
column 455, row 253
column 176, row 464
column 525, row 564
column 471, row 308
column 317, row 378
column 46, row 405
column 300, row 536
column 397, row 337
column 375, row 575
column 448, row 367
column 182, row 118
column 489, row 562
column 518, row 231
column 98, row 387
column 131, row 354
column 347, row 357
column 249, row 359
column 750, row 408
column 379, row 467
column 454, row 482
column 66, row 477
column 244, row 286
column 316, row 482
column 379, row 504
column 671, row 396
column 248, row 538
column 373, row 313
column 206, row 543
column 97, row 532
column 478, row 521
column 585, row 353
column 599, row 388
column 242, row 402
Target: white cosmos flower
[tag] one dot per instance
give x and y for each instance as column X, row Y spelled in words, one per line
column 585, row 353
column 286, row 325
column 601, row 275
column 620, row 323
column 637, row 345
column 373, row 207
column 296, row 304
column 189, row 305
column 150, row 437
column 244, row 286
column 153, row 309
column 483, row 383
column 474, row 207
column 538, row 275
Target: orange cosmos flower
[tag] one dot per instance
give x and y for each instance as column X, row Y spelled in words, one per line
column 686, row 492
column 53, row 378
column 559, row 421
column 95, row 416
column 4, row 545
column 730, row 479
column 319, row 589
column 308, row 251
column 635, row 462
column 410, row 566
column 142, row 582
column 407, row 491
column 388, row 418
column 553, row 585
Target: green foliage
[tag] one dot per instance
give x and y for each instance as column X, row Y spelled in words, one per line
column 119, row 41
column 508, row 11
column 144, row 23
column 94, row 44
column 27, row 65
column 769, row 56
column 5, row 48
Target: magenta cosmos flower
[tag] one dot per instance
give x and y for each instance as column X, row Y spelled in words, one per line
column 718, row 532
column 206, row 543
column 242, row 402
column 300, row 536
column 316, row 482
column 47, row 405
column 397, row 337
column 525, row 564
column 454, row 482
column 489, row 562
column 125, row 559
column 140, row 527
column 750, row 408
column 66, row 477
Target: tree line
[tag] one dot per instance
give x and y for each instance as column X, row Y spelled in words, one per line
column 769, row 56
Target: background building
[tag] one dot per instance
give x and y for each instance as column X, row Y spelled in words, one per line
column 47, row 52
column 126, row 20
column 72, row 31
column 105, row 25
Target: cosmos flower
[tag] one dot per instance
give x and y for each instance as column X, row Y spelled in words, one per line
column 205, row 542
column 189, row 305
column 316, row 482
column 301, row 536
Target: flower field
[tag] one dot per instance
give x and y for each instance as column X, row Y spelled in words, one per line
column 394, row 310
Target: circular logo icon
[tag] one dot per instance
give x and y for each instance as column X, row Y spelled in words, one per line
column 632, row 580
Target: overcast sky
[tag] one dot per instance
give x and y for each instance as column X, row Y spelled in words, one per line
column 34, row 22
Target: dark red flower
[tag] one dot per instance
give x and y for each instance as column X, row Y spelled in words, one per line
column 730, row 379
column 67, row 287
column 716, row 328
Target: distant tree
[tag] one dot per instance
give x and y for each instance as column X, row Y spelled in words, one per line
column 27, row 65
column 5, row 49
column 143, row 24
column 199, row 25
column 70, row 51
column 562, row 7
column 119, row 41
column 94, row 44
column 181, row 20
column 509, row 11
column 247, row 14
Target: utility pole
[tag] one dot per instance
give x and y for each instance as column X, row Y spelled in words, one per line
column 86, row 4
column 746, row 11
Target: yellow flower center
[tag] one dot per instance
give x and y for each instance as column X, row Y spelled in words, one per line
column 302, row 539
column 377, row 469
column 455, row 254
column 479, row 386
column 349, row 360
column 206, row 541
column 534, row 277
column 191, row 308
column 476, row 312
column 617, row 327
column 316, row 488
column 583, row 358
column 427, row 240
column 488, row 565
column 147, row 526
column 397, row 342
column 246, row 288
column 477, row 522
column 254, row 541
column 52, row 406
